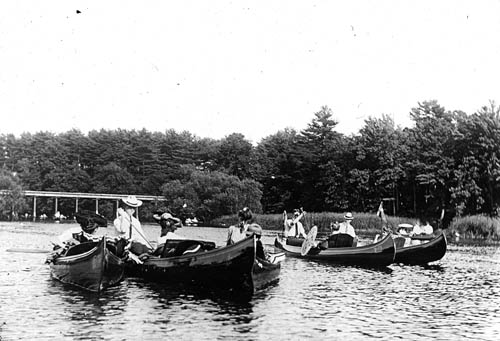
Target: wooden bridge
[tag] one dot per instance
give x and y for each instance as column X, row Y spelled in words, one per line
column 77, row 196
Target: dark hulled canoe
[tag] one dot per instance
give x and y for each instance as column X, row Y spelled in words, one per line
column 91, row 266
column 379, row 254
column 229, row 267
column 424, row 253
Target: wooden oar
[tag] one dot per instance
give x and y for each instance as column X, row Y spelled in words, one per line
column 28, row 250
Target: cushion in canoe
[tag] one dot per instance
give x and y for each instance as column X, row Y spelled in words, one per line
column 183, row 247
column 293, row 241
column 340, row 240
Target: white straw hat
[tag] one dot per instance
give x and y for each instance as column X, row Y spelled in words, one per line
column 348, row 216
column 132, row 201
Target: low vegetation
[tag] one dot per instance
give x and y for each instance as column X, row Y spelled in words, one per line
column 476, row 227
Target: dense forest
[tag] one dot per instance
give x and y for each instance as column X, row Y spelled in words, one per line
column 446, row 160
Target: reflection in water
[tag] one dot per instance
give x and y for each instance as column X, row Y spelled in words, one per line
column 455, row 298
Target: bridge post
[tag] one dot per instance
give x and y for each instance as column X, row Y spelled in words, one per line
column 96, row 205
column 76, row 205
column 34, row 208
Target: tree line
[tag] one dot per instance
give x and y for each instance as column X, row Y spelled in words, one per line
column 446, row 160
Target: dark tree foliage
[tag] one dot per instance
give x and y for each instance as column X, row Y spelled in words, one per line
column 446, row 160
column 317, row 148
column 207, row 195
column 279, row 171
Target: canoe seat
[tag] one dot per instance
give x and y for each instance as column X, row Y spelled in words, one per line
column 399, row 242
column 340, row 240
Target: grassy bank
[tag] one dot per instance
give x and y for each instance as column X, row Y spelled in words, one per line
column 478, row 227
column 364, row 223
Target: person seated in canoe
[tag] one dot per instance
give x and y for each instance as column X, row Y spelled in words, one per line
column 345, row 226
column 168, row 224
column 236, row 233
column 293, row 227
column 257, row 231
column 427, row 228
column 89, row 223
column 130, row 228
column 338, row 238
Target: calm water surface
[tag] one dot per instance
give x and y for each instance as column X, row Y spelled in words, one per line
column 457, row 298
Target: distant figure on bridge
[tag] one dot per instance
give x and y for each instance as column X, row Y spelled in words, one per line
column 129, row 226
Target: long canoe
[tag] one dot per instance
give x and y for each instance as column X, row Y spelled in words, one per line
column 379, row 254
column 424, row 253
column 91, row 266
column 233, row 267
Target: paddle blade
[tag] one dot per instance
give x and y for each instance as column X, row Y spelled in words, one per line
column 309, row 241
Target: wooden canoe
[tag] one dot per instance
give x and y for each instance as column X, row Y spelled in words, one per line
column 91, row 266
column 424, row 253
column 379, row 254
column 233, row 267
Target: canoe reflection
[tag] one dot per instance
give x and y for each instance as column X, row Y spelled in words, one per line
column 169, row 293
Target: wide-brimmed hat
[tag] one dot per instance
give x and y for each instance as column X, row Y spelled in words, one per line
column 348, row 216
column 87, row 219
column 132, row 201
column 158, row 216
column 254, row 228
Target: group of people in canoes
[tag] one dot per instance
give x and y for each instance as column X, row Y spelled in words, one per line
column 128, row 227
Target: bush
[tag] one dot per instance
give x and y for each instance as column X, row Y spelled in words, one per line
column 476, row 227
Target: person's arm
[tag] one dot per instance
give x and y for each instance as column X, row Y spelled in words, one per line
column 122, row 223
column 302, row 232
column 229, row 235
column 300, row 216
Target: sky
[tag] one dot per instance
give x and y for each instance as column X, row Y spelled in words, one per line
column 214, row 68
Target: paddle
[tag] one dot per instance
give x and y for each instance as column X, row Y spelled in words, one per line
column 28, row 250
column 308, row 243
column 285, row 218
column 125, row 214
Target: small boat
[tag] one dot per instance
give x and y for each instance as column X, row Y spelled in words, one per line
column 92, row 266
column 234, row 267
column 379, row 254
column 426, row 252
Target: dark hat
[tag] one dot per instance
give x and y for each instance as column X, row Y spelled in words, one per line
column 245, row 214
column 159, row 216
column 87, row 219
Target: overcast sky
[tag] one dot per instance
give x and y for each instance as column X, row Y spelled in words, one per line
column 253, row 67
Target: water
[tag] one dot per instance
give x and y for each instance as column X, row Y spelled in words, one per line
column 457, row 298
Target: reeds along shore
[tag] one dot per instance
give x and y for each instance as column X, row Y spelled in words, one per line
column 477, row 227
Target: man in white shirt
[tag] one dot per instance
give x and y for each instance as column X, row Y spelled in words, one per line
column 346, row 227
column 130, row 228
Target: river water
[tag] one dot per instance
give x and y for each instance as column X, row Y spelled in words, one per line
column 457, row 298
